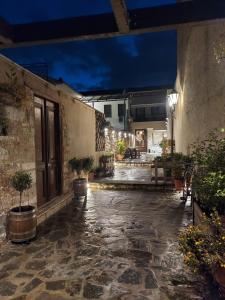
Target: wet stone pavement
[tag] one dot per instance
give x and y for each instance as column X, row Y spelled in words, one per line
column 130, row 174
column 121, row 246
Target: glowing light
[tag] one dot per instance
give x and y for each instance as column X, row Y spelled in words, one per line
column 173, row 98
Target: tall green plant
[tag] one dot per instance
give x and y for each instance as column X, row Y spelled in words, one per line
column 21, row 181
column 209, row 176
column 120, row 147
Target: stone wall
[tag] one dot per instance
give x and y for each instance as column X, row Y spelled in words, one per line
column 17, row 149
column 200, row 82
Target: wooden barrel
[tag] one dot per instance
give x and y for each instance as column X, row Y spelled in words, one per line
column 22, row 225
column 80, row 187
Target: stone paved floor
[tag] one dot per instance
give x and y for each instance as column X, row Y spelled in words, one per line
column 121, row 246
column 130, row 174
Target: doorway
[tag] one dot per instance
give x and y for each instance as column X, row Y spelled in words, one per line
column 47, row 148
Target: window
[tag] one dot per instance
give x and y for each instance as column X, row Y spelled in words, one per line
column 121, row 112
column 108, row 110
column 155, row 110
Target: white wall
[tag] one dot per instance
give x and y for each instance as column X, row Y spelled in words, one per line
column 200, row 83
column 115, row 118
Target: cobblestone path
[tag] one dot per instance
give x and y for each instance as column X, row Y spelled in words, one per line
column 121, row 246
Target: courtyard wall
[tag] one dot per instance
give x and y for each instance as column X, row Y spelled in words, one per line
column 200, row 83
column 17, row 148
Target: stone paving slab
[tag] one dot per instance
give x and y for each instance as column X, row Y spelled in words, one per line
column 120, row 245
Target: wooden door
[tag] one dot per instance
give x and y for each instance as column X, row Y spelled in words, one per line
column 47, row 145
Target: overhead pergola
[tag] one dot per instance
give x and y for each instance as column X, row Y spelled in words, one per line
column 120, row 22
column 154, row 93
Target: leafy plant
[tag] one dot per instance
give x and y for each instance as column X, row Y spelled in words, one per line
column 209, row 176
column 120, row 147
column 211, row 191
column 178, row 172
column 209, row 154
column 204, row 247
column 21, row 181
column 88, row 163
column 76, row 165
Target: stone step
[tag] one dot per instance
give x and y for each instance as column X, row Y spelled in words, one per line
column 129, row 185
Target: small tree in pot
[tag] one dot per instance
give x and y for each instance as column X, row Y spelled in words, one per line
column 22, row 220
column 120, row 149
column 88, row 164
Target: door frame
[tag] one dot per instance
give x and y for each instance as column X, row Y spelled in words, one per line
column 58, row 132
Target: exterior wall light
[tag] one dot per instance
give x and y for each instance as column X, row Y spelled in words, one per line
column 172, row 101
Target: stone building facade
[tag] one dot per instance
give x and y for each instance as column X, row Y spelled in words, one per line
column 200, row 83
column 77, row 130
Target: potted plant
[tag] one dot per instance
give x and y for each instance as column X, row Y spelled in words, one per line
column 208, row 182
column 21, row 220
column 79, row 184
column 178, row 176
column 88, row 163
column 120, row 150
column 99, row 172
column 203, row 248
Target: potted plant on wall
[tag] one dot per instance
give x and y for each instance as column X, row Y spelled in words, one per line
column 178, row 176
column 120, row 150
column 88, row 164
column 79, row 184
column 21, row 220
column 203, row 248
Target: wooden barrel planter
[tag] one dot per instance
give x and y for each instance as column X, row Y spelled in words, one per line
column 80, row 187
column 22, row 224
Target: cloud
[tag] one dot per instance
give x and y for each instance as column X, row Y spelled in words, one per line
column 145, row 60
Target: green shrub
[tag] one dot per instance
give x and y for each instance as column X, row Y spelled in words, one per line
column 21, row 181
column 88, row 163
column 76, row 165
column 204, row 248
column 209, row 176
column 120, row 147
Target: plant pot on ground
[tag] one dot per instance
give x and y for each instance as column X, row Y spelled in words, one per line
column 120, row 150
column 21, row 220
column 178, row 177
column 203, row 248
column 79, row 184
column 99, row 172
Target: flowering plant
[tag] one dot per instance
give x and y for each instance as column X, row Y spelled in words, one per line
column 204, row 247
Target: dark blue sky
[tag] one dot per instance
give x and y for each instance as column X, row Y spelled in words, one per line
column 134, row 61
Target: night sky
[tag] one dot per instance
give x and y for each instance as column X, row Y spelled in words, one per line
column 134, row 61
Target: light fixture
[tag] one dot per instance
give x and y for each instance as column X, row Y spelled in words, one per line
column 172, row 101
column 173, row 98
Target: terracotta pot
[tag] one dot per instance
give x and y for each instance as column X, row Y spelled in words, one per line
column 91, row 176
column 179, row 184
column 80, row 187
column 219, row 276
column 22, row 225
column 119, row 157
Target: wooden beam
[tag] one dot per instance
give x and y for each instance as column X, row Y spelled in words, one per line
column 121, row 15
column 165, row 17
